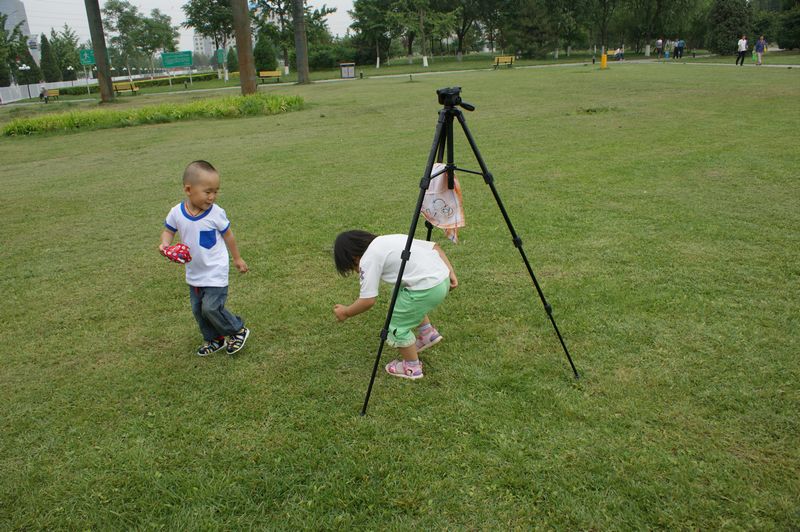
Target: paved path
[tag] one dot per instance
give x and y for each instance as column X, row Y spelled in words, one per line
column 441, row 72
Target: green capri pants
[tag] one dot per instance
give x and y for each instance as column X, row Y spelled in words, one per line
column 409, row 310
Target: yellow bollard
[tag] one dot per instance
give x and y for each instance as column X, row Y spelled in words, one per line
column 604, row 61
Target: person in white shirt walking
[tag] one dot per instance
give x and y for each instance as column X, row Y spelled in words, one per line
column 741, row 47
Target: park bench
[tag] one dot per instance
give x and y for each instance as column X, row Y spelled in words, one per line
column 125, row 86
column 267, row 74
column 52, row 93
column 503, row 60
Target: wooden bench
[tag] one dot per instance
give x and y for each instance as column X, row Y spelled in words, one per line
column 52, row 93
column 126, row 86
column 267, row 74
column 504, row 60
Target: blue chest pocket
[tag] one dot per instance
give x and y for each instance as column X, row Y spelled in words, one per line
column 208, row 238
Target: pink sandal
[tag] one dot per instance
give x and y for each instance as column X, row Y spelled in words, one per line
column 399, row 368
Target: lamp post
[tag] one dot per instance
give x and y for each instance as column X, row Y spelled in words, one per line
column 25, row 68
column 71, row 69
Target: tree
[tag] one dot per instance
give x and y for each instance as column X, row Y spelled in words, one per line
column 233, row 61
column 466, row 15
column 264, row 12
column 30, row 75
column 65, row 47
column 244, row 41
column 48, row 64
column 602, row 11
column 373, row 26
column 157, row 34
column 728, row 20
column 789, row 29
column 210, row 18
column 126, row 26
column 8, row 47
column 300, row 41
column 264, row 53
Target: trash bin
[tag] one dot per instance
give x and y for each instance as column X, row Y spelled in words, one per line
column 348, row 70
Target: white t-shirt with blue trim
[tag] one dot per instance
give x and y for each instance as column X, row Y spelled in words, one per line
column 203, row 234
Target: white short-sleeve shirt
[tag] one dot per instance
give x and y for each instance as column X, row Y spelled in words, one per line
column 203, row 234
column 381, row 261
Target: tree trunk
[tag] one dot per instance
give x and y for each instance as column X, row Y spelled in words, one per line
column 282, row 20
column 100, row 52
column 422, row 42
column 377, row 53
column 244, row 48
column 300, row 41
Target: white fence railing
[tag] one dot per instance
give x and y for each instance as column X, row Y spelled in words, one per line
column 22, row 92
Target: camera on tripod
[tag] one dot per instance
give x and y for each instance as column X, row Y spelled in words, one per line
column 451, row 97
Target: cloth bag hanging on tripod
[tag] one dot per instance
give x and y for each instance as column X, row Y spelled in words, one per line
column 442, row 207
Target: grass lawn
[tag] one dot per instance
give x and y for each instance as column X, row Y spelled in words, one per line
column 659, row 208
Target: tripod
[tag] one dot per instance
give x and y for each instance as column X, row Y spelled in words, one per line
column 450, row 98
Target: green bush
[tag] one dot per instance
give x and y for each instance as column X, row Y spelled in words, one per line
column 226, row 107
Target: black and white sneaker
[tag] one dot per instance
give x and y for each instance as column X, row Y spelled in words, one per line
column 236, row 341
column 211, row 347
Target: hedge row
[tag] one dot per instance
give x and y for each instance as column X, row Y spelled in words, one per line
column 77, row 90
column 225, row 107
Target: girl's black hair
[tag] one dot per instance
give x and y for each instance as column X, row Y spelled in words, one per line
column 348, row 246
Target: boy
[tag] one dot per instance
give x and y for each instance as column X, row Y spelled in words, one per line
column 199, row 220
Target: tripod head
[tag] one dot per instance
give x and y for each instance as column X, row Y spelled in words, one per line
column 451, row 97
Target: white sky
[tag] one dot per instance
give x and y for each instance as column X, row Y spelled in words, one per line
column 46, row 14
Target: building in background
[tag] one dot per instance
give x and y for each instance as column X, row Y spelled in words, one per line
column 202, row 45
column 15, row 10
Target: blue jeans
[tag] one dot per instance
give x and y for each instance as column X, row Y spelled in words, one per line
column 208, row 307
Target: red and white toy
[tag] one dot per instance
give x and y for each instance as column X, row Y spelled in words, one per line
column 178, row 253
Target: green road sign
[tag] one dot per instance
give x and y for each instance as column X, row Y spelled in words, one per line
column 87, row 57
column 220, row 56
column 176, row 59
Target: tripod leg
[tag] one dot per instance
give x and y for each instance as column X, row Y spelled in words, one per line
column 429, row 227
column 439, row 138
column 489, row 179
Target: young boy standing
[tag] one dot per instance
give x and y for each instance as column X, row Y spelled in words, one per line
column 200, row 222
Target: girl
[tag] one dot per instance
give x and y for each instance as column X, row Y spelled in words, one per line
column 427, row 278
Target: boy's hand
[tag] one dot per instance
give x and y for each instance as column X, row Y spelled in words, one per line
column 453, row 280
column 340, row 311
column 161, row 248
column 241, row 265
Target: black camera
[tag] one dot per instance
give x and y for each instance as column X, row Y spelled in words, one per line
column 451, row 97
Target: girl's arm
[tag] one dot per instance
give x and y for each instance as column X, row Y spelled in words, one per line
column 453, row 278
column 357, row 307
column 230, row 241
column 166, row 240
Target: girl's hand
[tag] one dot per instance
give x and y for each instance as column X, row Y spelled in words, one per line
column 453, row 281
column 340, row 311
column 241, row 265
column 161, row 248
